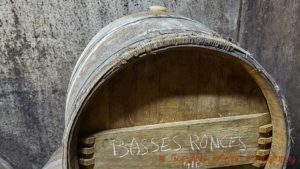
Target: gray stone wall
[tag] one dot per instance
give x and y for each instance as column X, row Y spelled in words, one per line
column 40, row 41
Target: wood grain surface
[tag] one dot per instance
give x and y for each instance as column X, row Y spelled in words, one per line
column 180, row 84
column 206, row 143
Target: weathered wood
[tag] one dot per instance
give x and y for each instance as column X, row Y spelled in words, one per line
column 88, row 141
column 215, row 142
column 265, row 129
column 263, row 152
column 86, row 162
column 162, row 88
column 263, row 140
column 4, row 164
column 87, row 150
column 259, row 163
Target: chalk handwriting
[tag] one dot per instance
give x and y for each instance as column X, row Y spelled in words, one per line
column 142, row 146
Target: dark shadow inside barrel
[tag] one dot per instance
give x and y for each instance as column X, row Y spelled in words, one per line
column 175, row 85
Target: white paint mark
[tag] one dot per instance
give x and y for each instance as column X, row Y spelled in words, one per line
column 179, row 146
column 144, row 147
column 155, row 144
column 164, row 145
column 205, row 138
column 122, row 145
column 134, row 145
column 214, row 143
column 193, row 143
column 221, row 142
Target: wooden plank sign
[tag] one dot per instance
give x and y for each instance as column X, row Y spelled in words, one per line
column 205, row 143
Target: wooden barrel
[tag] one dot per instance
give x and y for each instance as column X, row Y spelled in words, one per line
column 158, row 90
column 55, row 161
column 4, row 164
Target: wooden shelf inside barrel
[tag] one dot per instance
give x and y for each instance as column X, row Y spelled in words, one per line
column 174, row 96
column 206, row 143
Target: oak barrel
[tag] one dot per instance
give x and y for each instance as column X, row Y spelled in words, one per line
column 55, row 161
column 159, row 90
column 4, row 164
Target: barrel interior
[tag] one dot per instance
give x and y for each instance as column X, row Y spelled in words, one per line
column 4, row 164
column 174, row 87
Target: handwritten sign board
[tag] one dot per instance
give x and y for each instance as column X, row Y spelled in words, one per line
column 205, row 143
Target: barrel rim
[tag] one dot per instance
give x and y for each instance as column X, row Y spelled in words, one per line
column 119, row 23
column 116, row 26
column 5, row 164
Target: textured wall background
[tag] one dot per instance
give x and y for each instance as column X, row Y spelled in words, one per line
column 40, row 41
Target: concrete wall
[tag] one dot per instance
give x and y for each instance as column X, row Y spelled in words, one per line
column 40, row 41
